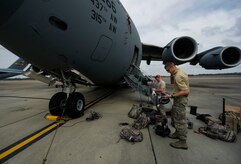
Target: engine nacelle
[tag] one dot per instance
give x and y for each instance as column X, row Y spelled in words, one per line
column 221, row 58
column 180, row 50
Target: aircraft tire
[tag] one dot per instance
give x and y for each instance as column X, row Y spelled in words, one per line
column 75, row 105
column 57, row 103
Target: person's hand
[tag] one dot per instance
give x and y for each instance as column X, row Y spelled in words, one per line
column 168, row 96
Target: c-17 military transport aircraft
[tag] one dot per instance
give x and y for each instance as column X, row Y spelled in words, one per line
column 91, row 42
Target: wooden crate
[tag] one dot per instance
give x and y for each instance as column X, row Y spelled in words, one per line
column 235, row 109
column 232, row 123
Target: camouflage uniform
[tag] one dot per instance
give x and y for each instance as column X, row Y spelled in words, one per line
column 178, row 115
column 155, row 98
column 178, row 112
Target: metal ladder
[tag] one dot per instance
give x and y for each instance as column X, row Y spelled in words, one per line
column 137, row 80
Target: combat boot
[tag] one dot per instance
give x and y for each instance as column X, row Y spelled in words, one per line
column 174, row 135
column 181, row 144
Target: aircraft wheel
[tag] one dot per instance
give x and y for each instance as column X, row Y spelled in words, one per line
column 57, row 103
column 75, row 105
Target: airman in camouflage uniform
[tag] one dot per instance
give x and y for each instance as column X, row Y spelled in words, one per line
column 159, row 87
column 180, row 100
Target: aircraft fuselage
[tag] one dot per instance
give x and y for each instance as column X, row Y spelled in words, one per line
column 95, row 37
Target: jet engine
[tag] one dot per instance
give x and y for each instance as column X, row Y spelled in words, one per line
column 220, row 58
column 180, row 50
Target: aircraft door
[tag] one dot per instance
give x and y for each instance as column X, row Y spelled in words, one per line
column 134, row 59
column 102, row 49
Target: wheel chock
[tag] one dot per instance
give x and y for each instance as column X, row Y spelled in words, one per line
column 51, row 117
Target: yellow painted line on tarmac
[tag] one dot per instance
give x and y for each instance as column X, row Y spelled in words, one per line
column 27, row 141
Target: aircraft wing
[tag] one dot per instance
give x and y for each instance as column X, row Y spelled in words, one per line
column 151, row 52
column 17, row 68
column 184, row 49
column 8, row 70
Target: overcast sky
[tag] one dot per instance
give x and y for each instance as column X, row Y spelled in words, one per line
column 210, row 22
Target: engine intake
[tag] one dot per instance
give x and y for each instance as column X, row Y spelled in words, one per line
column 221, row 58
column 180, row 50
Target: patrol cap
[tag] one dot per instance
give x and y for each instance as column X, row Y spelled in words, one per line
column 157, row 76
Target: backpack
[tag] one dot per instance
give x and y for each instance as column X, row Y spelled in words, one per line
column 135, row 111
column 131, row 134
column 147, row 108
column 141, row 122
column 217, row 131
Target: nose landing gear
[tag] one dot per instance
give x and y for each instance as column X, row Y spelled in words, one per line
column 57, row 104
column 68, row 103
column 73, row 106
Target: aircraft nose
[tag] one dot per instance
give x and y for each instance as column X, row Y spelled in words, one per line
column 8, row 8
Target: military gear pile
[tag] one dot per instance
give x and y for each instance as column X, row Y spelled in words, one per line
column 144, row 114
column 141, row 122
column 93, row 116
column 231, row 120
column 135, row 111
column 131, row 134
column 217, row 131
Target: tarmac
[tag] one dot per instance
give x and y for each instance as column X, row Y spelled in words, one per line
column 24, row 105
